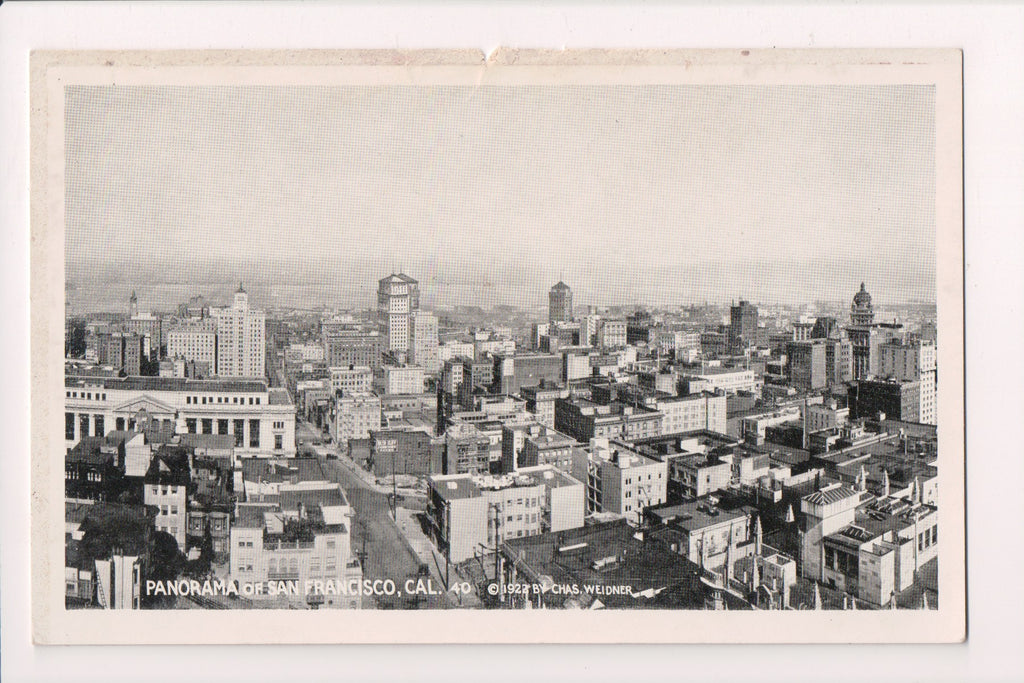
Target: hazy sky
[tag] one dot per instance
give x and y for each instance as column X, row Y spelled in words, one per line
column 657, row 194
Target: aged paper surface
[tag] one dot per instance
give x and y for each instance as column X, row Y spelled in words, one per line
column 661, row 186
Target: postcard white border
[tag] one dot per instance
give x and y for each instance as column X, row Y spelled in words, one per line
column 992, row 37
column 55, row 71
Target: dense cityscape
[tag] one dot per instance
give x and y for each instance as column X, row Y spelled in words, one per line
column 703, row 456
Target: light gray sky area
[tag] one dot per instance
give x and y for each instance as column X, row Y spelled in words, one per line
column 654, row 194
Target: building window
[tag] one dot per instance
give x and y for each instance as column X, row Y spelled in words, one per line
column 254, row 433
column 222, row 427
column 99, row 425
column 190, row 425
column 83, row 426
column 278, row 442
column 69, row 426
column 239, row 433
column 207, row 425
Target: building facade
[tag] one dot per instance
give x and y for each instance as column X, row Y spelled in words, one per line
column 469, row 514
column 356, row 415
column 423, row 347
column 913, row 360
column 560, row 303
column 742, row 327
column 397, row 297
column 194, row 340
column 241, row 338
column 619, row 479
column 261, row 420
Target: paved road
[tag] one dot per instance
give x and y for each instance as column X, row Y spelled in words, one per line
column 387, row 557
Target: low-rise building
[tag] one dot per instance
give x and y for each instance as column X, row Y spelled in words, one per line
column 709, row 536
column 400, row 379
column 412, row 452
column 261, row 419
column 469, row 513
column 540, row 401
column 896, row 399
column 619, row 479
column 881, row 551
column 585, row 420
column 300, row 546
column 166, row 487
column 356, row 415
column 351, row 379
column 729, row 380
column 467, row 450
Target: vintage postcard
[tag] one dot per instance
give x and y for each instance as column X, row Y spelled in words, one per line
column 545, row 347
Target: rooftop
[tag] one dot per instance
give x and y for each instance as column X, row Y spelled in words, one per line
column 93, row 450
column 317, row 494
column 831, row 494
column 694, row 515
column 282, row 470
column 207, row 441
column 458, row 486
column 279, row 397
column 169, row 465
column 608, row 554
column 168, row 384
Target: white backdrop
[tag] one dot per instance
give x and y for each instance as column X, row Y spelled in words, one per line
column 993, row 40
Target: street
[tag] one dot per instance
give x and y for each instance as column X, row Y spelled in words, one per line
column 387, row 556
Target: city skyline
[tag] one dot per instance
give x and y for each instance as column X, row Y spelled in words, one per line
column 447, row 184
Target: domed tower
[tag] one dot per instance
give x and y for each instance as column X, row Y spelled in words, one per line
column 861, row 311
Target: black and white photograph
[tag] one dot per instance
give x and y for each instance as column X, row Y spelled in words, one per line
column 512, row 334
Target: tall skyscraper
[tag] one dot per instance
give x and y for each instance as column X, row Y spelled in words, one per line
column 397, row 297
column 909, row 361
column 133, row 305
column 423, row 350
column 560, row 303
column 241, row 338
column 742, row 327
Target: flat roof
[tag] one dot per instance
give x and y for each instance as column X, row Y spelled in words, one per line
column 694, row 515
column 168, row 383
column 455, row 487
column 282, row 469
column 326, row 495
column 569, row 557
column 279, row 397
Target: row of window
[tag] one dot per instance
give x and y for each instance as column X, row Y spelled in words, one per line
column 84, row 422
column 164, row 490
column 629, row 480
column 88, row 395
column 168, row 510
column 235, row 400
column 89, row 476
column 519, row 518
column 928, row 538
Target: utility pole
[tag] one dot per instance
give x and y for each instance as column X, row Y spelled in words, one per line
column 394, row 488
column 497, row 548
